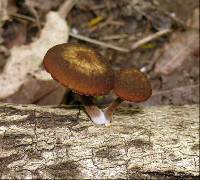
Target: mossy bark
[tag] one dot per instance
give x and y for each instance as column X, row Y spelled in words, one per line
column 153, row 142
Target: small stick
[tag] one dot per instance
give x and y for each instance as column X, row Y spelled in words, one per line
column 113, row 37
column 31, row 8
column 21, row 16
column 66, row 7
column 174, row 18
column 94, row 41
column 150, row 38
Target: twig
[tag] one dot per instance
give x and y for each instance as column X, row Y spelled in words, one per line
column 107, row 22
column 112, row 37
column 21, row 16
column 31, row 5
column 97, row 7
column 66, row 8
column 63, row 11
column 94, row 41
column 174, row 18
column 34, row 12
column 150, row 38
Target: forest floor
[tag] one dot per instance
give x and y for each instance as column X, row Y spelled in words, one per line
column 171, row 60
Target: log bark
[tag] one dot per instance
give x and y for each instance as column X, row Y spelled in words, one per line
column 152, row 142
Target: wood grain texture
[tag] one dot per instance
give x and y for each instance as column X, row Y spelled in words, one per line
column 153, row 142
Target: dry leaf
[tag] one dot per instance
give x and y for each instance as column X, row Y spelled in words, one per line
column 27, row 59
column 181, row 46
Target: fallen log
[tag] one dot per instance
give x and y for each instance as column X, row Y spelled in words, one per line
column 50, row 142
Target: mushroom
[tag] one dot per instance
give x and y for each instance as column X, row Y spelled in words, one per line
column 84, row 71
column 130, row 84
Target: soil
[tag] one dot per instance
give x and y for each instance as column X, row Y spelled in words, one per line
column 120, row 23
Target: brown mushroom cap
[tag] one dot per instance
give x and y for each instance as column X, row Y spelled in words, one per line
column 132, row 85
column 79, row 68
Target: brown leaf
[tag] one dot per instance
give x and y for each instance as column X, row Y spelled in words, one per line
column 182, row 45
column 27, row 59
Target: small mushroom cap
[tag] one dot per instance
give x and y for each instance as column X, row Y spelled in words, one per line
column 79, row 68
column 132, row 85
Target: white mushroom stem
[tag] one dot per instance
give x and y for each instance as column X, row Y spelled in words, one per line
column 112, row 108
column 95, row 114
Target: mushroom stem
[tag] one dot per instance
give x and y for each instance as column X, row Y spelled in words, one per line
column 95, row 114
column 111, row 108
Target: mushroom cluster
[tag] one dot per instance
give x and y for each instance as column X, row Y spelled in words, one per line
column 87, row 73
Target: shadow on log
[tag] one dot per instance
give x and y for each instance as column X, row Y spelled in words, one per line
column 153, row 142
